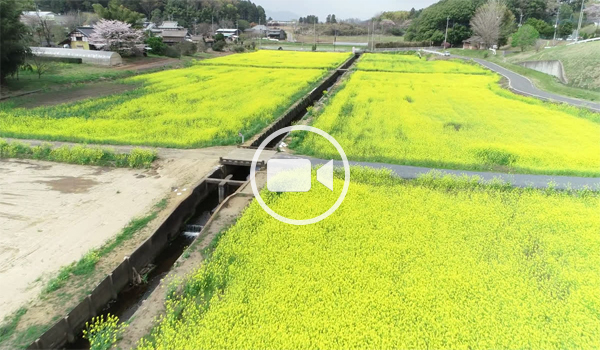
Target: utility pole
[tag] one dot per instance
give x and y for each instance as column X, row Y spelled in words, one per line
column 446, row 36
column 334, row 38
column 259, row 35
column 373, row 34
column 315, row 31
column 580, row 20
column 368, row 34
column 521, row 19
column 556, row 25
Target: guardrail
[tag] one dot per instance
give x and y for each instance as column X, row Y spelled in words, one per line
column 584, row 41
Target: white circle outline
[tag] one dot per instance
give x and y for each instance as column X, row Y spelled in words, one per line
column 283, row 219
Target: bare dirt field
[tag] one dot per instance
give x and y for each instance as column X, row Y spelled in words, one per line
column 51, row 214
column 90, row 90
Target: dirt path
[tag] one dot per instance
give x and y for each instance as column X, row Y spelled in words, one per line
column 51, row 214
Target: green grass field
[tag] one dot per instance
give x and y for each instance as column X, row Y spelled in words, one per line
column 581, row 62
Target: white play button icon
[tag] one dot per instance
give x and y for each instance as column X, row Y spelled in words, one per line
column 325, row 175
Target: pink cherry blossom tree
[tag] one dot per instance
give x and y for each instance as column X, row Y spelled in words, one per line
column 117, row 36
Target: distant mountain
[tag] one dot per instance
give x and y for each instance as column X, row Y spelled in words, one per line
column 282, row 15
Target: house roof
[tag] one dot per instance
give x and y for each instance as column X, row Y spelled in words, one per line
column 169, row 25
column 259, row 27
column 174, row 33
column 87, row 31
column 473, row 39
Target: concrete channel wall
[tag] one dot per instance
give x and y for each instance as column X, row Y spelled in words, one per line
column 67, row 328
column 552, row 67
column 298, row 109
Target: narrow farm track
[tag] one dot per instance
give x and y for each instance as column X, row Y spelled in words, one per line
column 523, row 85
column 517, row 180
column 403, row 171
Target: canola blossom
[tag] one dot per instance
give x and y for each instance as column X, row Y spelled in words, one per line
column 282, row 59
column 413, row 64
column 191, row 107
column 441, row 263
column 454, row 121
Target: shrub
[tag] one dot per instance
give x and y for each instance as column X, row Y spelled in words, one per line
column 219, row 45
column 186, row 48
column 238, row 49
column 157, row 46
column 171, row 52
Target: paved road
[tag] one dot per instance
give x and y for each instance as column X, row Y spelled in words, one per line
column 517, row 180
column 523, row 85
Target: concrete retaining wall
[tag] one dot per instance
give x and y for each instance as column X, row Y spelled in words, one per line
column 67, row 328
column 554, row 68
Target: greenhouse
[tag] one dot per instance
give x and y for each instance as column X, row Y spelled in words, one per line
column 103, row 58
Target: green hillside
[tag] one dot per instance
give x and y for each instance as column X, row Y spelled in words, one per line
column 581, row 62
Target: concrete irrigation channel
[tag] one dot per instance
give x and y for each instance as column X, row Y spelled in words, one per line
column 298, row 110
column 123, row 291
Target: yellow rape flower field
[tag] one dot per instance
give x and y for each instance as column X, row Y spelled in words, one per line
column 282, row 59
column 197, row 106
column 429, row 263
column 454, row 121
column 413, row 64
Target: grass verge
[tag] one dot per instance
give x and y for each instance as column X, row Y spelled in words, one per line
column 82, row 155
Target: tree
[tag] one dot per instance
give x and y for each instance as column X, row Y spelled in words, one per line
column 156, row 17
column 328, row 19
column 429, row 21
column 333, row 20
column 13, row 46
column 529, row 8
column 457, row 34
column 116, row 11
column 148, row 6
column 507, row 28
column 243, row 25
column 157, row 46
column 545, row 29
column 565, row 29
column 116, row 36
column 524, row 37
column 42, row 27
column 487, row 20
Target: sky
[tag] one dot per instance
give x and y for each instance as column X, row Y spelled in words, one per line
column 342, row 9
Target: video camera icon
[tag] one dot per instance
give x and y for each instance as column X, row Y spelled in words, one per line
column 294, row 175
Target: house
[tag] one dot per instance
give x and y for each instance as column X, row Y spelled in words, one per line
column 79, row 39
column 228, row 33
column 170, row 31
column 259, row 30
column 474, row 43
column 171, row 37
column 276, row 34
